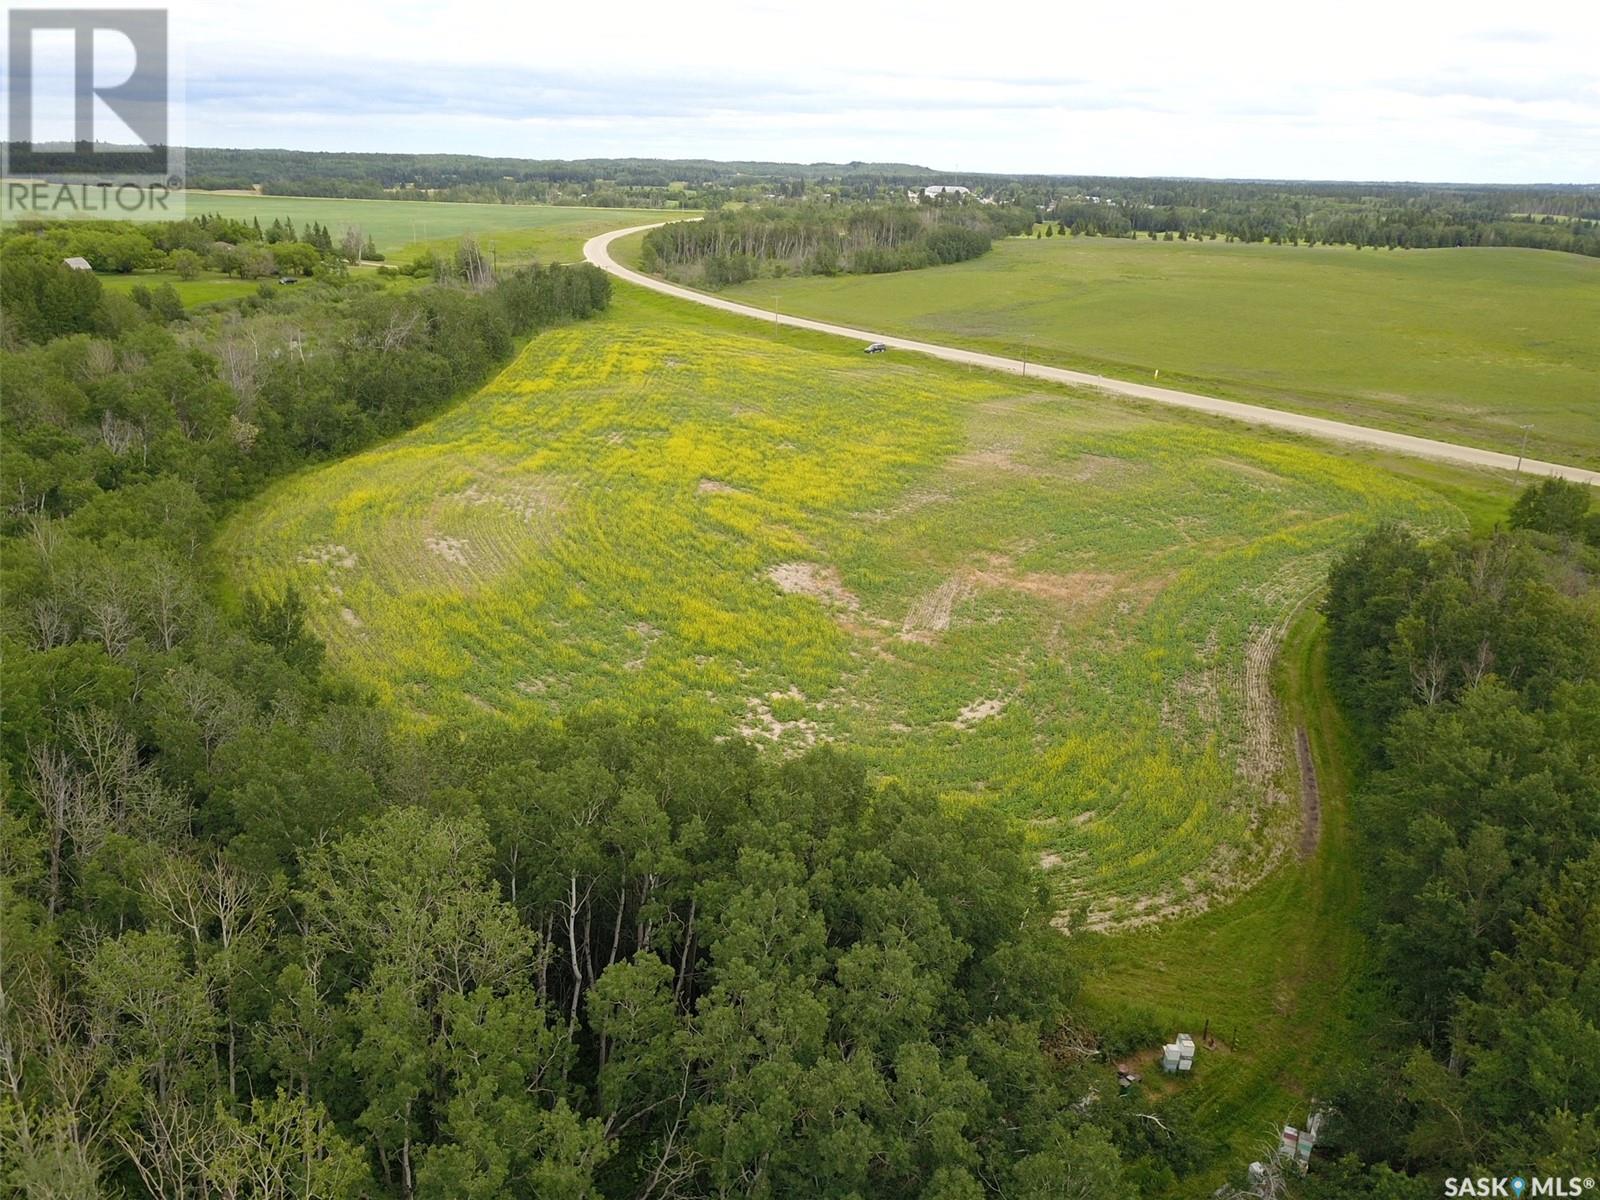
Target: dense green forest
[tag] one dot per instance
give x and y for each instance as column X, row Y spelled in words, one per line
column 735, row 246
column 214, row 242
column 260, row 942
column 1472, row 667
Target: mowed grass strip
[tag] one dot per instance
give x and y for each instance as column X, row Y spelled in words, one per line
column 207, row 288
column 1048, row 602
column 1278, row 976
column 1464, row 345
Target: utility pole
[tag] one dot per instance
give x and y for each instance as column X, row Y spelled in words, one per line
column 1025, row 340
column 1523, row 450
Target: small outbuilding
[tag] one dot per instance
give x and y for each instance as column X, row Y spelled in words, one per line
column 77, row 264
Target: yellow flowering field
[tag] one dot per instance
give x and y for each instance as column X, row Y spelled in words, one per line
column 1019, row 596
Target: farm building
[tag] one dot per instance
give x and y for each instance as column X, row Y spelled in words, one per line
column 76, row 263
column 946, row 189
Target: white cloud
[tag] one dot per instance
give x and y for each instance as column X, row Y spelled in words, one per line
column 1368, row 89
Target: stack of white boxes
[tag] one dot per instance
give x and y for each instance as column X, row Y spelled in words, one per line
column 1179, row 1055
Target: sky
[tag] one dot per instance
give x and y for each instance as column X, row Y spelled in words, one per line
column 1398, row 90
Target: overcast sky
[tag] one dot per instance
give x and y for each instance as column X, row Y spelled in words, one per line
column 1397, row 89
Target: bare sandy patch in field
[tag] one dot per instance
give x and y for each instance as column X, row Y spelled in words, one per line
column 796, row 735
column 931, row 614
column 1261, row 755
column 979, row 710
column 1075, row 589
column 523, row 501
column 348, row 616
column 817, row 580
column 452, row 550
column 327, row 556
column 715, row 487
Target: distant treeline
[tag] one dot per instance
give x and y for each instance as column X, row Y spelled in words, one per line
column 1398, row 215
column 1402, row 216
column 601, row 183
column 734, row 246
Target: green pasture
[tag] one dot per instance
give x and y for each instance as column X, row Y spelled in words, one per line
column 1463, row 345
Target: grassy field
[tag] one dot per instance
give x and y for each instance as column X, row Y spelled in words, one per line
column 206, row 288
column 518, row 232
column 1276, row 974
column 1048, row 602
column 1464, row 345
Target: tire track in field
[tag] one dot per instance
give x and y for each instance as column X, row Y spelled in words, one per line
column 1310, row 795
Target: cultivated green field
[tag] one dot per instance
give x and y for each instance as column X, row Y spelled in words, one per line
column 1048, row 602
column 400, row 227
column 1463, row 345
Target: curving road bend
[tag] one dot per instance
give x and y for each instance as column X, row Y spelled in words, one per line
column 598, row 251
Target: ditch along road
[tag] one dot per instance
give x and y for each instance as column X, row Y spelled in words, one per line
column 597, row 250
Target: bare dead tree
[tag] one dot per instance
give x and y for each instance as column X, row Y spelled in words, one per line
column 171, row 603
column 110, row 611
column 119, row 436
column 54, row 784
column 214, row 706
column 51, row 1137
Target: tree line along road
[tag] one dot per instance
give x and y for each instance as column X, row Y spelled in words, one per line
column 597, row 250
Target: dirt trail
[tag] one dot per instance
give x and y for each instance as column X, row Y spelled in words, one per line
column 597, row 250
column 1310, row 795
